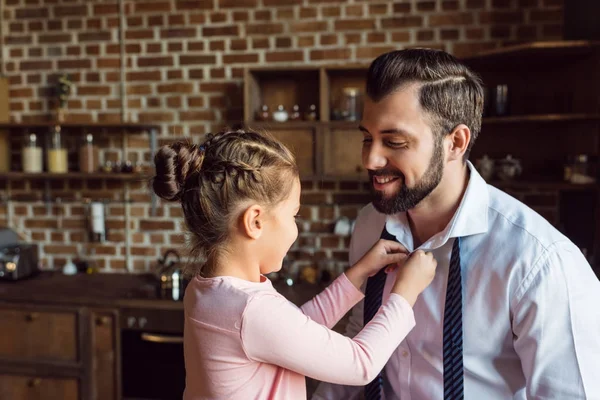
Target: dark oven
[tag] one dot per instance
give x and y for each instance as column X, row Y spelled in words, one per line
column 152, row 365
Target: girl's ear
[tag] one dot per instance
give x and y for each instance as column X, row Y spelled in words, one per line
column 252, row 221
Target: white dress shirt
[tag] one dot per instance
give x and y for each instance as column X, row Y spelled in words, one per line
column 531, row 314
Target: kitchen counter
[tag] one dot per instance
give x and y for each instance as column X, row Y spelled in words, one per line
column 112, row 290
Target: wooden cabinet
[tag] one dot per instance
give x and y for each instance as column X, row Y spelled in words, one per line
column 104, row 355
column 20, row 387
column 344, row 153
column 38, row 335
column 58, row 353
column 301, row 142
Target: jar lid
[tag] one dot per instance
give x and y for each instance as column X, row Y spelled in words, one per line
column 350, row 91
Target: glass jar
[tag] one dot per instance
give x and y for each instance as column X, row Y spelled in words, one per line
column 57, row 154
column 31, row 155
column 89, row 155
column 350, row 106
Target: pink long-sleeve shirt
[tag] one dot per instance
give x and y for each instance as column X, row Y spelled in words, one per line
column 243, row 340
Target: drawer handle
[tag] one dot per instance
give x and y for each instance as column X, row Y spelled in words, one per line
column 36, row 382
column 32, row 316
column 150, row 337
column 102, row 321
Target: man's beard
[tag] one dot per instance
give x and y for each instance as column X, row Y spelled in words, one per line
column 407, row 198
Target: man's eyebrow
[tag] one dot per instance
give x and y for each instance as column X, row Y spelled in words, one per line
column 391, row 131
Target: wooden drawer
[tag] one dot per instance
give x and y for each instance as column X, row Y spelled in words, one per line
column 39, row 335
column 18, row 387
column 343, row 153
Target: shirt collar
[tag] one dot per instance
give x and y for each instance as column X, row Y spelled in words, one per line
column 471, row 217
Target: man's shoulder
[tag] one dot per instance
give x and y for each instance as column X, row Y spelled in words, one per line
column 511, row 217
column 369, row 220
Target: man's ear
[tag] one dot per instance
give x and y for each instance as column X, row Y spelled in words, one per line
column 458, row 142
column 252, row 221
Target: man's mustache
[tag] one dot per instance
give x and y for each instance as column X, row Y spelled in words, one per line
column 385, row 172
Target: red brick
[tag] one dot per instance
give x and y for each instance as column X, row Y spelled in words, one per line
column 41, row 223
column 238, row 3
column 196, row 74
column 18, row 40
column 194, row 5
column 35, row 26
column 309, row 26
column 330, row 54
column 425, row 35
column 55, row 25
column 264, row 29
column 178, row 33
column 452, row 5
column 196, row 60
column 217, row 17
column 477, row 4
column 356, row 10
column 305, row 41
column 70, row 11
column 449, row 34
column 75, row 64
column 240, row 58
column 454, row 19
column 352, row 38
column 401, row 22
column 281, row 3
column 35, row 65
column 228, row 30
column 285, row 56
column 238, row 44
column 285, row 13
column 501, row 17
column 376, row 37
column 262, row 15
column 201, row 115
column 195, row 46
column 217, row 45
column 55, row 38
column 175, row 47
column 197, row 19
column 94, row 36
column 93, row 90
column 354, row 24
column 23, row 92
column 474, row 33
column 424, row 6
column 348, row 198
column 328, row 40
column 308, row 12
column 500, row 32
column 372, row 52
column 24, row 13
column 155, row 61
column 155, row 117
column 332, row 11
column 158, row 7
column 156, row 20
column 180, row 87
column 60, row 249
column 195, row 102
column 260, row 43
column 16, row 53
column 378, row 9
column 16, row 27
column 283, row 42
column 139, row 34
column 101, row 9
column 241, row 16
column 133, row 76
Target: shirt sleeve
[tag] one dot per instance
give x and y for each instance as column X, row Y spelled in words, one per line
column 556, row 323
column 329, row 306
column 275, row 332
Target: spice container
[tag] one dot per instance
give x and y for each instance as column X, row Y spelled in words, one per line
column 280, row 115
column 57, row 154
column 31, row 155
column 89, row 155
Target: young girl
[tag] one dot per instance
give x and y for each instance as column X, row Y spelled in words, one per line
column 240, row 194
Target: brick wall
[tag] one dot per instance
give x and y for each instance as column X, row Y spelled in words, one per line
column 182, row 68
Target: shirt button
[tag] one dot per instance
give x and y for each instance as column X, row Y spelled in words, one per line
column 405, row 353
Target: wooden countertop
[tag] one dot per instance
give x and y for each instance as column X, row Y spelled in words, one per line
column 112, row 290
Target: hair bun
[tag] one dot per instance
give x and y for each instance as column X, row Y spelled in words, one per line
column 174, row 164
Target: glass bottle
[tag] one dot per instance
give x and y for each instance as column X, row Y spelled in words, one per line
column 57, row 154
column 350, row 104
column 89, row 155
column 31, row 155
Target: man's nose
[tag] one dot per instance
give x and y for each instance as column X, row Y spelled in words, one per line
column 374, row 157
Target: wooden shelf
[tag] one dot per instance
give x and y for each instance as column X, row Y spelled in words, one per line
column 14, row 176
column 543, row 185
column 538, row 50
column 541, row 118
column 92, row 126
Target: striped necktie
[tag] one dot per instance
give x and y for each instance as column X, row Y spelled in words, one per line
column 373, row 298
column 453, row 330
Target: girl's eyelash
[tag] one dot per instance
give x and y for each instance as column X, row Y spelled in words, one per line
column 297, row 216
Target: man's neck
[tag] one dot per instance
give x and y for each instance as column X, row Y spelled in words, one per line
column 434, row 213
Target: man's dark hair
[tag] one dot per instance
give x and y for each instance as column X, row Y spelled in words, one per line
column 449, row 92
